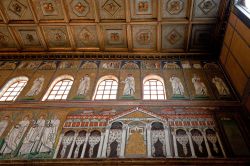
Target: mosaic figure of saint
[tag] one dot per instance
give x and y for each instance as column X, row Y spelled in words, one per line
column 84, row 86
column 49, row 135
column 199, row 86
column 177, row 86
column 129, row 88
column 15, row 135
column 3, row 124
column 221, row 86
column 36, row 87
column 33, row 137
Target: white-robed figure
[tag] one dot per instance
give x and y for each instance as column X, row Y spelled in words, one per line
column 36, row 87
column 33, row 137
column 199, row 86
column 49, row 135
column 177, row 86
column 3, row 124
column 15, row 135
column 129, row 88
column 84, row 86
column 221, row 86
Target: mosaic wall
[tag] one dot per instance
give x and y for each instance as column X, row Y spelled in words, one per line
column 106, row 132
column 182, row 80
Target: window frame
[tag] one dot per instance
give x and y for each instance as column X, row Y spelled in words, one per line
column 242, row 12
column 104, row 78
column 8, row 85
column 54, row 83
column 156, row 78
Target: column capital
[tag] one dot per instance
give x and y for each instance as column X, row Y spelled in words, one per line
column 166, row 127
column 124, row 127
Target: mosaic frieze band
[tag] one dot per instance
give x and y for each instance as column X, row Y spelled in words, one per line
column 201, row 80
column 132, row 133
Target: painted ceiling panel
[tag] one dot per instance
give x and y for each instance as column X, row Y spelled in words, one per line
column 107, row 25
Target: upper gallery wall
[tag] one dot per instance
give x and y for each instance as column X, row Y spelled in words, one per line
column 108, row 25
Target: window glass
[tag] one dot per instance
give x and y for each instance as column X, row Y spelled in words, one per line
column 61, row 90
column 107, row 89
column 13, row 90
column 153, row 90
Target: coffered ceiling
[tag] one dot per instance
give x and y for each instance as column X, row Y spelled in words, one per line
column 107, row 25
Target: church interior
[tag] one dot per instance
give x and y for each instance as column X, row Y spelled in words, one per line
column 124, row 82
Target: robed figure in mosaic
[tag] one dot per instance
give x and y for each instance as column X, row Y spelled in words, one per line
column 33, row 137
column 36, row 87
column 129, row 88
column 177, row 86
column 3, row 124
column 84, row 86
column 15, row 136
column 199, row 86
column 221, row 86
column 49, row 135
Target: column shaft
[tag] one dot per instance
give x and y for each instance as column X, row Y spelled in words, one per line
column 175, row 145
column 222, row 149
column 167, row 138
column 58, row 146
column 191, row 144
column 100, row 146
column 207, row 145
column 104, row 149
column 149, row 140
column 85, row 145
column 72, row 145
column 123, row 143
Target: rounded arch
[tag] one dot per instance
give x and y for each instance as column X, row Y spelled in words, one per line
column 113, row 80
column 55, row 81
column 19, row 83
column 157, row 126
column 116, row 125
column 154, row 88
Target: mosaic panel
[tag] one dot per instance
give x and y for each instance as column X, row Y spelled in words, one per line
column 115, row 36
column 17, row 9
column 85, row 36
column 173, row 36
column 49, row 9
column 6, row 40
column 142, row 9
column 111, row 9
column 174, row 8
column 144, row 36
column 206, row 8
column 29, row 37
column 57, row 36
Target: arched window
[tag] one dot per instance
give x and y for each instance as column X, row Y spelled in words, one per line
column 12, row 88
column 153, row 88
column 59, row 89
column 106, row 88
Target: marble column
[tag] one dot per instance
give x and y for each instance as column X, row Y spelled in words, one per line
column 222, row 149
column 175, row 144
column 123, row 143
column 85, row 145
column 167, row 139
column 207, row 145
column 191, row 144
column 72, row 145
column 100, row 146
column 148, row 126
column 58, row 145
column 105, row 143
